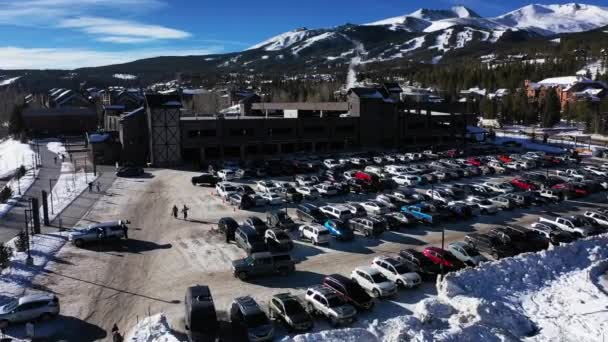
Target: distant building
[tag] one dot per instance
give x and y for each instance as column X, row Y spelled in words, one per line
column 568, row 89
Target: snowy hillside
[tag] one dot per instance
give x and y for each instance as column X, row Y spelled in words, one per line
column 7, row 81
column 551, row 19
column 285, row 40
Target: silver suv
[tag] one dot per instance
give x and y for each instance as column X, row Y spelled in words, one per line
column 100, row 232
column 29, row 308
column 327, row 303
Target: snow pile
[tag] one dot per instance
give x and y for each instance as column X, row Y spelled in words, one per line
column 152, row 329
column 70, row 184
column 14, row 154
column 18, row 276
column 548, row 296
column 9, row 81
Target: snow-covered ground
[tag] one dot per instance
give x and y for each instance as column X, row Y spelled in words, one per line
column 125, row 76
column 14, row 154
column 56, row 147
column 152, row 329
column 19, row 188
column 68, row 187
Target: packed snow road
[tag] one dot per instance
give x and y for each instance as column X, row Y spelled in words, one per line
column 124, row 282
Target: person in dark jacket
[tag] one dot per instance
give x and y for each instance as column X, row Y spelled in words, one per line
column 175, row 211
column 185, row 212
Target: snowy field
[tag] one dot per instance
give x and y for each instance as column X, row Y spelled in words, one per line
column 68, row 187
column 14, row 154
column 20, row 186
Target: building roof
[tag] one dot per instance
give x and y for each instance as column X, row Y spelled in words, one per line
column 132, row 114
column 160, row 100
column 564, row 82
column 98, row 138
column 367, row 93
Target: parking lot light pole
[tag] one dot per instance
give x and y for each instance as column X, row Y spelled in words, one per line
column 442, row 248
column 51, row 192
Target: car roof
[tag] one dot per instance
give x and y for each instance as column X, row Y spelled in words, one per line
column 35, row 298
column 325, row 291
column 106, row 224
column 459, row 244
column 367, row 269
column 285, row 297
column 248, row 305
column 248, row 230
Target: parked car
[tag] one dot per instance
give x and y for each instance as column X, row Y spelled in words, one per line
column 278, row 240
column 339, row 230
column 419, row 263
column 225, row 189
column 308, row 212
column 29, row 309
column 130, row 171
column 309, row 193
column 200, row 318
column 552, row 233
column 272, row 198
column 290, row 195
column 99, row 232
column 523, row 184
column 485, row 206
column 315, row 233
column 337, row 212
column 465, row 253
column 374, row 282
column 356, row 209
column 368, row 226
column 349, row 291
column 279, row 219
column 228, row 227
column 397, row 220
column 326, row 302
column 247, row 238
column 288, row 309
column 205, row 179
column 226, row 175
column 503, row 202
column 244, row 202
column 263, row 263
column 374, row 208
column 442, row 257
column 396, row 271
column 246, row 315
column 490, row 245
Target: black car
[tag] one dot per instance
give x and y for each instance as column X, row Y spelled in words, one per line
column 289, row 194
column 205, row 179
column 521, row 239
column 288, row 309
column 279, row 219
column 419, row 263
column 245, row 190
column 130, row 171
column 228, row 226
column 243, row 202
column 397, row 220
column 200, row 318
column 490, row 244
column 257, row 223
column 308, row 212
column 349, row 291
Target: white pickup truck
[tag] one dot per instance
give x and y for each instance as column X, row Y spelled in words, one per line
column 573, row 224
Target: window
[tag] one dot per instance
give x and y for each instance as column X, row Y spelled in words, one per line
column 242, row 132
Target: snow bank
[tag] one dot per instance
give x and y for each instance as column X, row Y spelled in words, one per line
column 152, row 329
column 56, row 147
column 24, row 185
column 14, row 154
column 553, row 295
column 68, row 187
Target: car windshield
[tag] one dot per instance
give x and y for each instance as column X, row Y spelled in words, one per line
column 377, row 278
column 292, row 307
column 256, row 320
column 334, row 301
column 323, row 232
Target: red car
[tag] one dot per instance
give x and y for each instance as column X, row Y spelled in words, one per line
column 440, row 257
column 505, row 159
column 523, row 184
column 571, row 188
column 474, row 161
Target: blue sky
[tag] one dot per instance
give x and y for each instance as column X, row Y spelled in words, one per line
column 74, row 33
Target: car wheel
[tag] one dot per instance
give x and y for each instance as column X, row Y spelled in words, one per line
column 79, row 242
column 4, row 324
column 242, row 275
column 376, row 293
column 400, row 283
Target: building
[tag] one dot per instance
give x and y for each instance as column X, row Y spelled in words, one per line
column 568, row 89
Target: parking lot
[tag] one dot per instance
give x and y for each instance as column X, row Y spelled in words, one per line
column 123, row 282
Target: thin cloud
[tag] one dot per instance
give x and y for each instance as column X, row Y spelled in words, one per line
column 130, row 31
column 63, row 58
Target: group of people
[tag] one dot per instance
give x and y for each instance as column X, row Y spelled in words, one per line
column 175, row 211
column 97, row 186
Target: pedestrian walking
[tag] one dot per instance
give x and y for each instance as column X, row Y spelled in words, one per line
column 185, row 212
column 175, row 211
column 98, row 186
column 90, row 186
column 114, row 328
column 125, row 230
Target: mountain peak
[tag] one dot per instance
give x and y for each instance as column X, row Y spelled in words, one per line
column 464, row 12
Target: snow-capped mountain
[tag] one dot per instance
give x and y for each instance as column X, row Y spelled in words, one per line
column 423, row 18
column 552, row 19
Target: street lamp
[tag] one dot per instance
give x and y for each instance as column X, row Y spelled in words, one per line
column 29, row 260
column 51, row 192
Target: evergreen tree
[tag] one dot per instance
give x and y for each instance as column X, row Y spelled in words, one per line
column 16, row 125
column 551, row 108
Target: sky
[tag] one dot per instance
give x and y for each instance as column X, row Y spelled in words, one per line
column 68, row 34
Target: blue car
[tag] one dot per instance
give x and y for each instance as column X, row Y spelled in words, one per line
column 339, row 230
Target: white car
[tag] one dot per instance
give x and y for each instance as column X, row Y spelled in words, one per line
column 598, row 218
column 224, row 189
column 315, row 233
column 337, row 212
column 485, row 206
column 465, row 253
column 226, row 174
column 374, row 208
column 502, row 188
column 596, row 171
column 308, row 192
column 325, row 301
column 439, row 196
column 272, row 198
column 331, row 163
column 407, row 180
column 371, row 280
column 265, row 186
column 396, row 271
column 326, row 189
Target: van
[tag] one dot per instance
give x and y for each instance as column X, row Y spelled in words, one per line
column 337, row 211
column 200, row 317
column 247, row 238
